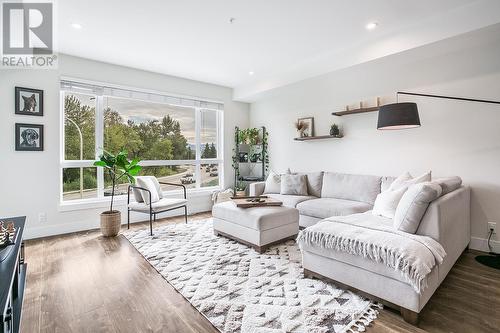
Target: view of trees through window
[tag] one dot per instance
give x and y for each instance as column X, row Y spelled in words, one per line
column 152, row 132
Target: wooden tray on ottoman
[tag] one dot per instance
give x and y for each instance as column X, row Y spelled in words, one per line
column 249, row 202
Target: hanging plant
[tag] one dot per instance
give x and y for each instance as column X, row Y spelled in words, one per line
column 249, row 136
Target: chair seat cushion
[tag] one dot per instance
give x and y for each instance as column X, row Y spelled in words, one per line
column 327, row 207
column 256, row 218
column 290, row 200
column 158, row 206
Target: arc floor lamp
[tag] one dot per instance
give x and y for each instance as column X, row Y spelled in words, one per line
column 404, row 116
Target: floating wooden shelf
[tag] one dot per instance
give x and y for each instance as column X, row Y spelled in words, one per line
column 354, row 111
column 361, row 109
column 320, row 137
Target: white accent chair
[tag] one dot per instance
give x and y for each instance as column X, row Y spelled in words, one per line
column 150, row 200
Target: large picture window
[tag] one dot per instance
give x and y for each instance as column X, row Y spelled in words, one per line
column 177, row 139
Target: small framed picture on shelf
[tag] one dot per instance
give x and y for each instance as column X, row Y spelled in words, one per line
column 28, row 102
column 306, row 126
column 29, row 137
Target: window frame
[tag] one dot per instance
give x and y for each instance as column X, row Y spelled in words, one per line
column 99, row 142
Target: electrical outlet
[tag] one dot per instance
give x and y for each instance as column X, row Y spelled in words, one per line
column 492, row 225
column 42, row 217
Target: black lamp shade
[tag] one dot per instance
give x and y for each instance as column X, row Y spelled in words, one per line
column 398, row 116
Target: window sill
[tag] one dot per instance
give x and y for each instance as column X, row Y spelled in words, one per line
column 121, row 201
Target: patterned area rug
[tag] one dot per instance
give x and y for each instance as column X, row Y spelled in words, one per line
column 239, row 290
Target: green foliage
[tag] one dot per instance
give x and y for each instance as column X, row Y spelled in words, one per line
column 334, row 130
column 241, row 186
column 258, row 139
column 209, row 151
column 249, row 136
column 151, row 140
column 78, row 116
column 118, row 167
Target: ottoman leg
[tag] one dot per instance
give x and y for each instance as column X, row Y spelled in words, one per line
column 259, row 249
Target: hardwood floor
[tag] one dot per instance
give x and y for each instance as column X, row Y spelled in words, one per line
column 83, row 282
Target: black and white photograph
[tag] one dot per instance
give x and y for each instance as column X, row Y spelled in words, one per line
column 29, row 101
column 29, row 137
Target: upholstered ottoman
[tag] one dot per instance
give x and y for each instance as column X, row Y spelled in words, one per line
column 258, row 227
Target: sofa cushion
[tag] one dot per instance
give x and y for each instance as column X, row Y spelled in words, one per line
column 314, row 182
column 406, row 180
column 273, row 183
column 448, row 184
column 327, row 207
column 413, row 205
column 387, row 202
column 356, row 261
column 362, row 188
column 293, row 184
column 257, row 218
column 386, row 182
column 290, row 200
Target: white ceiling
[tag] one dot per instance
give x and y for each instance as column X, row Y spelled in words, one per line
column 281, row 41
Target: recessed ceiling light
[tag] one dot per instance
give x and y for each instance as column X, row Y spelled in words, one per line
column 77, row 26
column 371, row 25
column 251, row 73
column 231, row 20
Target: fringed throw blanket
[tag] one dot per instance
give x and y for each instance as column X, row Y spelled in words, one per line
column 373, row 238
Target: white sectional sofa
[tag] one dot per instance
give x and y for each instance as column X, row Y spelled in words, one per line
column 347, row 200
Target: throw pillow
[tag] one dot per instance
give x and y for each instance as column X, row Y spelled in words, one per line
column 149, row 184
column 449, row 184
column 293, row 184
column 400, row 180
column 387, row 202
column 413, row 205
column 273, row 183
column 314, row 182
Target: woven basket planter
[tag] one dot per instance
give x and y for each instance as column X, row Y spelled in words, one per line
column 111, row 223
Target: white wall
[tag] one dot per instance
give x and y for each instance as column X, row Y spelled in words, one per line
column 30, row 180
column 456, row 138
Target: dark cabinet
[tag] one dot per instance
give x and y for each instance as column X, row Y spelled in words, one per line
column 12, row 280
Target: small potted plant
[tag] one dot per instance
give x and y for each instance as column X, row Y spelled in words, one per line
column 301, row 126
column 240, row 189
column 334, row 130
column 118, row 167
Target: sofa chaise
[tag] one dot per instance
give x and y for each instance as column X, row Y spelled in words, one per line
column 344, row 204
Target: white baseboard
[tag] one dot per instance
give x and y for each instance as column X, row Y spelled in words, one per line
column 481, row 244
column 61, row 229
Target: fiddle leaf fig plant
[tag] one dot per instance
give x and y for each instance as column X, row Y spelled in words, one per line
column 118, row 167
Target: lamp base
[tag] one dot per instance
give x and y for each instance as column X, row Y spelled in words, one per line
column 490, row 261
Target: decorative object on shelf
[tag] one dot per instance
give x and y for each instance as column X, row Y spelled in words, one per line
column 319, row 137
column 335, row 130
column 398, row 116
column 362, row 109
column 305, row 126
column 28, row 102
column 118, row 167
column 243, row 157
column 240, row 189
column 300, row 127
column 250, row 159
column 29, row 137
